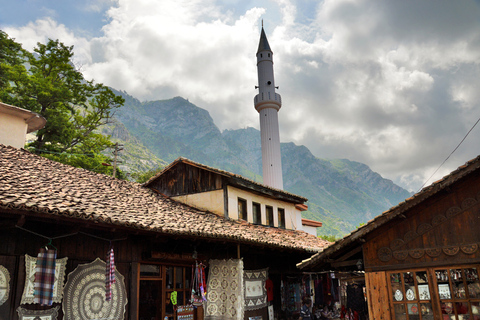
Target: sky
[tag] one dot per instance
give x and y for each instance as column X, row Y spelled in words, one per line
column 392, row 84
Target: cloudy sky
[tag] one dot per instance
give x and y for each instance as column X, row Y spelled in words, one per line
column 392, row 84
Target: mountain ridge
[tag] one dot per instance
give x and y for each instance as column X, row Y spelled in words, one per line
column 342, row 193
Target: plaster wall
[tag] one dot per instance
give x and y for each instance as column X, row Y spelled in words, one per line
column 13, row 130
column 293, row 217
column 208, row 201
column 310, row 230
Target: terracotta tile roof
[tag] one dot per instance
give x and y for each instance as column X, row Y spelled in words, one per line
column 427, row 192
column 295, row 197
column 31, row 183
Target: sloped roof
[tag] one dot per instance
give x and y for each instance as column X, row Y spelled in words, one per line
column 31, row 183
column 357, row 235
column 263, row 43
column 245, row 181
column 33, row 120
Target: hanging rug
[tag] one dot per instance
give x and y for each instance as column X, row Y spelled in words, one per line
column 84, row 296
column 50, row 314
column 255, row 289
column 28, row 289
column 225, row 290
column 4, row 284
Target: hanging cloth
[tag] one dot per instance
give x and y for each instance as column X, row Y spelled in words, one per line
column 109, row 275
column 44, row 277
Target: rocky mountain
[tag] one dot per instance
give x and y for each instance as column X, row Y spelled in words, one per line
column 342, row 194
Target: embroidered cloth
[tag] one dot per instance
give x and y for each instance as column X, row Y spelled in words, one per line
column 84, row 296
column 28, row 290
column 225, row 290
column 44, row 277
column 4, row 284
column 50, row 314
column 255, row 289
column 109, row 275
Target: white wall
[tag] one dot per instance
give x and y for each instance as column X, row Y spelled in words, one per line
column 293, row 218
column 13, row 130
column 208, row 201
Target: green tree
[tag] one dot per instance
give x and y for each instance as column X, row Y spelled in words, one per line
column 73, row 106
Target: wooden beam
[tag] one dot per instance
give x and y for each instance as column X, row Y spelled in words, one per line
column 349, row 254
column 347, row 263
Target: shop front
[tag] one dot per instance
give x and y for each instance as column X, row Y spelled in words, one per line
column 421, row 257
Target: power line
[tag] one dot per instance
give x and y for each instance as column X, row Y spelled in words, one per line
column 449, row 155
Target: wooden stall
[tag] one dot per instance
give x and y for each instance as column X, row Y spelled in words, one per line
column 156, row 241
column 421, row 257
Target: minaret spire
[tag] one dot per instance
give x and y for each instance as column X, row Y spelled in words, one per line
column 268, row 103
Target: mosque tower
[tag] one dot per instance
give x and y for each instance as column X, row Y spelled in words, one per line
column 267, row 103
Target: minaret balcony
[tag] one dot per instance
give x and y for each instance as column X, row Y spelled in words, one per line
column 268, row 100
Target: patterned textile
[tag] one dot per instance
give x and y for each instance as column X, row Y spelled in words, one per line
column 109, row 275
column 225, row 290
column 44, row 277
column 84, row 296
column 4, row 284
column 24, row 314
column 255, row 289
column 28, row 290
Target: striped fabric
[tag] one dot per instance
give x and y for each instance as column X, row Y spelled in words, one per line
column 109, row 275
column 44, row 277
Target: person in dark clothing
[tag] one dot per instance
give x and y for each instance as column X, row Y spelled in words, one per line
column 305, row 313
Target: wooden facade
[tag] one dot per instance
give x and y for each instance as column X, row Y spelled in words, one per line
column 421, row 258
column 135, row 252
column 156, row 240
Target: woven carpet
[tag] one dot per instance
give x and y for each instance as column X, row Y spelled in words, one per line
column 84, row 296
column 255, row 290
column 28, row 290
column 225, row 290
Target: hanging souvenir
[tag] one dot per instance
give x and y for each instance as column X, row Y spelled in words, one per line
column 84, row 296
column 225, row 298
column 199, row 292
column 255, row 289
column 24, row 314
column 4, row 284
column 109, row 275
column 28, row 290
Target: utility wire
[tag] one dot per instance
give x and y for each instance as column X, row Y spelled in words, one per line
column 449, row 155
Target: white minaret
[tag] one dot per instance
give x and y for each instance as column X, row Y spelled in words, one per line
column 267, row 103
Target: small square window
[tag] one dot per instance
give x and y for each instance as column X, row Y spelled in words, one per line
column 281, row 218
column 257, row 213
column 242, row 209
column 269, row 211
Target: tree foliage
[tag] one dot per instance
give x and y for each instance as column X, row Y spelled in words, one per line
column 47, row 82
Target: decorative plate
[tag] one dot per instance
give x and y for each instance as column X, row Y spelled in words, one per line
column 84, row 296
column 398, row 295
column 410, row 294
column 4, row 284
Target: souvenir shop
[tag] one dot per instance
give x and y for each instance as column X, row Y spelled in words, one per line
column 78, row 245
column 421, row 258
column 334, row 295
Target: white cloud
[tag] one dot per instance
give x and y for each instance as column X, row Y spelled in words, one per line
column 393, row 84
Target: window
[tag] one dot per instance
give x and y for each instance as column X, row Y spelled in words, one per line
column 156, row 284
column 257, row 213
column 242, row 209
column 281, row 218
column 269, row 211
column 413, row 294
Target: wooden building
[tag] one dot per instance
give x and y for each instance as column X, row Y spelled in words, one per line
column 156, row 240
column 421, row 257
column 232, row 196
